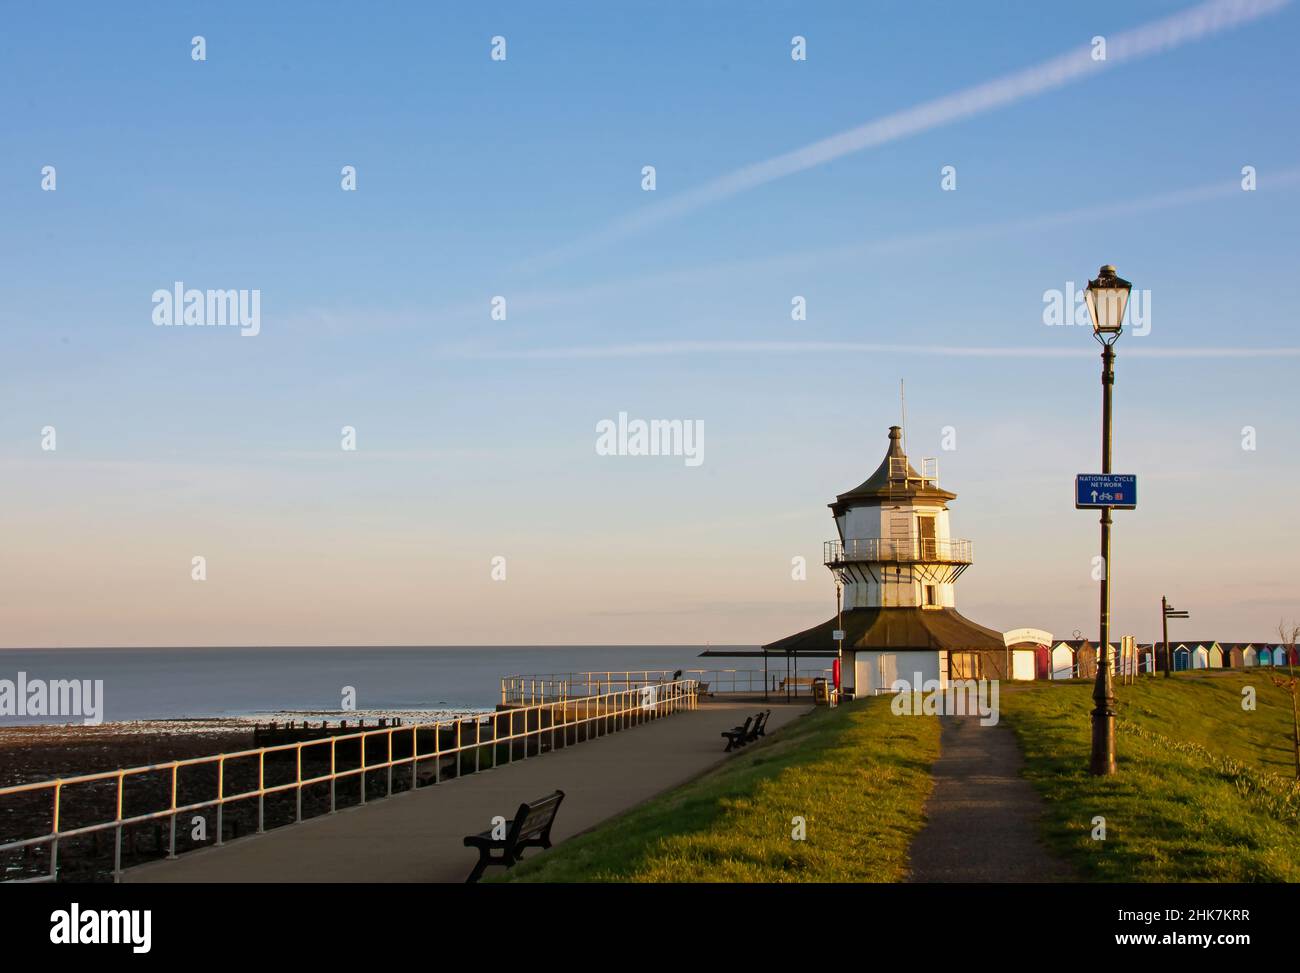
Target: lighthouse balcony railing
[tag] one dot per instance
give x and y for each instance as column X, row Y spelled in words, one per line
column 900, row 550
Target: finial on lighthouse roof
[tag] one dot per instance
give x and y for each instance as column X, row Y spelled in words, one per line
column 877, row 486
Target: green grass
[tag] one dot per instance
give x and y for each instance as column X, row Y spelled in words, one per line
column 857, row 774
column 1204, row 792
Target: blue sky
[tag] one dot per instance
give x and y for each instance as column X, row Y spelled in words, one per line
column 479, row 178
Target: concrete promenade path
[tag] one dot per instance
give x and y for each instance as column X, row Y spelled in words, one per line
column 982, row 817
column 417, row 836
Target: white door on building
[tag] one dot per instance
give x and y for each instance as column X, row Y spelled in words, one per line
column 1022, row 663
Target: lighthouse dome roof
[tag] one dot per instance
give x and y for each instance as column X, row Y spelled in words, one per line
column 894, row 479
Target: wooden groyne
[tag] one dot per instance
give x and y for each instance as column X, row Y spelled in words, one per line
column 295, row 731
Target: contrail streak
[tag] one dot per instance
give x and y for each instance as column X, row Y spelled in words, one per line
column 1156, row 37
column 540, row 300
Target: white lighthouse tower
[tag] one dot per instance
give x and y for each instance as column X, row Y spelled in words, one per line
column 898, row 564
column 894, row 548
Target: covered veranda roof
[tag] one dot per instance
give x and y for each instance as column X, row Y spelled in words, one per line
column 901, row 629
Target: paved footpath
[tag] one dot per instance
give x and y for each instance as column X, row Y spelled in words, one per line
column 417, row 836
column 982, row 817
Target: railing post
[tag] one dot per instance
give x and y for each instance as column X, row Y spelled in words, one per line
column 117, row 832
column 459, row 763
column 333, row 779
column 362, row 775
column 390, row 762
column 298, row 816
column 478, row 738
column 171, row 842
column 54, row 846
column 221, row 791
column 261, row 791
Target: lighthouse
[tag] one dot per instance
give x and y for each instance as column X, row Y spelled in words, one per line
column 897, row 564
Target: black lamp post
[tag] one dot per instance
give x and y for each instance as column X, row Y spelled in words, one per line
column 1107, row 298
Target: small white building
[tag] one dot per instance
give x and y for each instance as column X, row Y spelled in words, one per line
column 1031, row 653
column 897, row 564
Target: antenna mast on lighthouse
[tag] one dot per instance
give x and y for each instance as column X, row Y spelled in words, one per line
column 902, row 407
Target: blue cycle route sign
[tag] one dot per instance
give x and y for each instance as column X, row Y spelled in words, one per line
column 1095, row 491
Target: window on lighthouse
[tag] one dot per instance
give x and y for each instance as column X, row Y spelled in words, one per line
column 931, row 596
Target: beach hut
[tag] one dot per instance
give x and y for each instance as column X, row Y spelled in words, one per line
column 1085, row 659
column 1063, row 661
column 1236, row 657
column 1216, row 656
column 1200, row 657
column 897, row 565
column 1182, row 657
column 1249, row 657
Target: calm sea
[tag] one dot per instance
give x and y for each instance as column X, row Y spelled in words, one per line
column 150, row 684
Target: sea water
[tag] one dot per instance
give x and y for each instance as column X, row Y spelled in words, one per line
column 181, row 683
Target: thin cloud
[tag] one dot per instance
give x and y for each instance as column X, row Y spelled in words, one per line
column 1150, row 39
column 661, row 349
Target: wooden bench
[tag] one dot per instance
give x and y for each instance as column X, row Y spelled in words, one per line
column 737, row 736
column 759, row 728
column 530, row 828
column 796, row 682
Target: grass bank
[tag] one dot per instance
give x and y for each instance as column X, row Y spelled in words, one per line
column 857, row 775
column 1204, row 789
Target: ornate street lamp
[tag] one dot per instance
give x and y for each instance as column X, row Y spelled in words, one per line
column 1107, row 299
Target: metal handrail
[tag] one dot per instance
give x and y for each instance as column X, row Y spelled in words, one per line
column 527, row 689
column 626, row 708
column 905, row 549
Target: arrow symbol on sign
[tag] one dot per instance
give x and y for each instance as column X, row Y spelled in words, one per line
column 1094, row 496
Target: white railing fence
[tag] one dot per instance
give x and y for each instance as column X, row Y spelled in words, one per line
column 460, row 746
column 529, row 689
